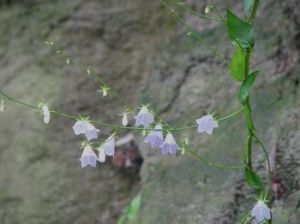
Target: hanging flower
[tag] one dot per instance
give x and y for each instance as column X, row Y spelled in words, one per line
column 101, row 155
column 261, row 212
column 144, row 118
column 86, row 128
column 88, row 157
column 169, row 146
column 46, row 113
column 155, row 137
column 206, row 124
column 109, row 146
column 125, row 118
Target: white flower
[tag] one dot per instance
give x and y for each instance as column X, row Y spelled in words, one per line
column 101, row 155
column 206, row 124
column 2, row 106
column 124, row 119
column 86, row 128
column 261, row 212
column 46, row 113
column 88, row 157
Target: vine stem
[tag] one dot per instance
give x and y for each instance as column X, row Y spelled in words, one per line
column 209, row 163
column 73, row 117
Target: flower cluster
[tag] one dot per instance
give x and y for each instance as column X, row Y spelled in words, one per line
column 156, row 137
column 144, row 118
column 89, row 157
column 86, row 128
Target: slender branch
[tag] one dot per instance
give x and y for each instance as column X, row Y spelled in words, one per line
column 209, row 163
column 73, row 117
column 253, row 12
column 195, row 35
column 218, row 12
column 266, row 156
column 193, row 12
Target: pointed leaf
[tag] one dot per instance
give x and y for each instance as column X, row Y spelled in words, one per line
column 240, row 32
column 253, row 179
column 134, row 207
column 246, row 86
column 237, row 65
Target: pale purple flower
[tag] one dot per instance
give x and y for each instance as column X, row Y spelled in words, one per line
column 86, row 128
column 91, row 132
column 261, row 212
column 144, row 118
column 206, row 124
column 169, row 146
column 88, row 157
column 155, row 138
column 46, row 113
column 109, row 146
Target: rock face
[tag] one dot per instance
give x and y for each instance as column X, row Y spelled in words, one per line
column 138, row 48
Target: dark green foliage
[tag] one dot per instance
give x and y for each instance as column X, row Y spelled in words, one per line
column 240, row 32
column 246, row 86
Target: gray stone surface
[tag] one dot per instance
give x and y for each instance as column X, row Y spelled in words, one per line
column 140, row 50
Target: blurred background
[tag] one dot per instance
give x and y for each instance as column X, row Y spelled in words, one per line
column 140, row 49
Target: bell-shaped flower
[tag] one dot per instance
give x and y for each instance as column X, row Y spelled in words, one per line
column 46, row 113
column 206, row 124
column 155, row 138
column 88, row 157
column 144, row 118
column 109, row 146
column 86, row 128
column 125, row 118
column 91, row 132
column 169, row 146
column 261, row 212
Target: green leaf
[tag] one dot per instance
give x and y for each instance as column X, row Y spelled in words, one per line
column 238, row 64
column 131, row 211
column 248, row 4
column 134, row 207
column 253, row 179
column 240, row 32
column 246, row 86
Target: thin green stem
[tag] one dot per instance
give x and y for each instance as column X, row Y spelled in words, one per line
column 218, row 12
column 193, row 12
column 231, row 115
column 73, row 117
column 266, row 155
column 87, row 69
column 253, row 12
column 191, row 32
column 209, row 163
